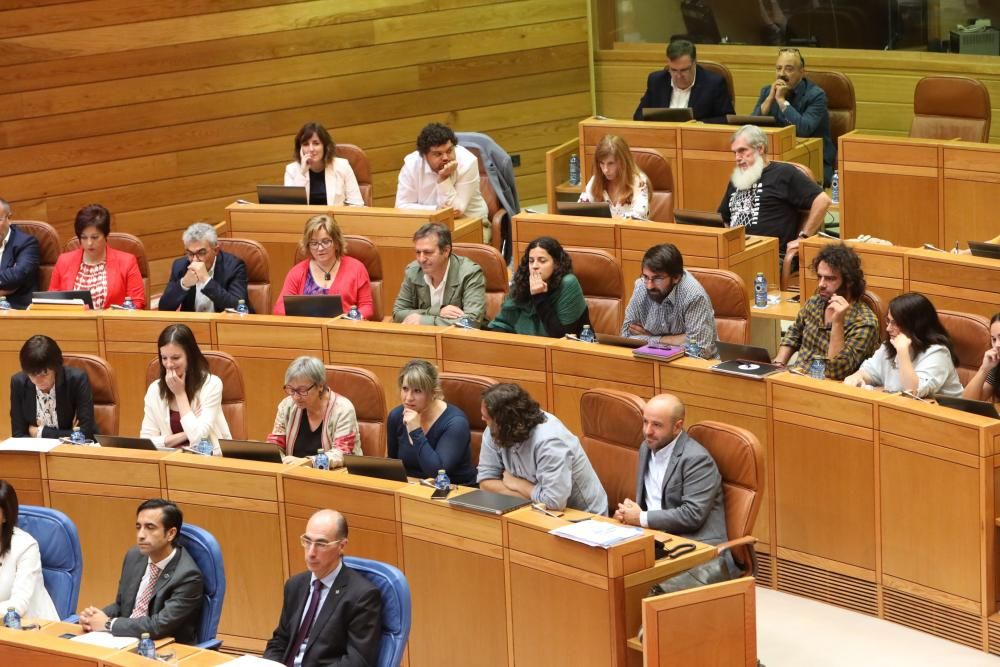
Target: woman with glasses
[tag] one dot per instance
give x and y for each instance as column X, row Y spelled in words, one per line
column 328, row 269
column 47, row 398
column 184, row 406
column 618, row 180
column 313, row 416
column 426, row 433
column 328, row 180
column 109, row 275
column 917, row 355
column 545, row 297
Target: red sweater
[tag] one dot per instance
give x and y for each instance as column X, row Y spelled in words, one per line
column 121, row 268
column 352, row 284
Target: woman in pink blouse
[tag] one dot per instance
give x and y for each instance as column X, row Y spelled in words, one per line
column 328, row 269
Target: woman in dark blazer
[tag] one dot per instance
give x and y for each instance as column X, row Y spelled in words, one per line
column 46, row 398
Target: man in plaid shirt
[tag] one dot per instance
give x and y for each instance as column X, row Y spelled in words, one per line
column 833, row 323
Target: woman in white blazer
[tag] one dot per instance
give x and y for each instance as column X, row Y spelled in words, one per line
column 185, row 404
column 21, row 584
column 329, row 180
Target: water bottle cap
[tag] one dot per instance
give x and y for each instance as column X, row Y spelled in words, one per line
column 441, row 471
column 242, row 301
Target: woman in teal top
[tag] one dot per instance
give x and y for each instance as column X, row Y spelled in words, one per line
column 545, row 297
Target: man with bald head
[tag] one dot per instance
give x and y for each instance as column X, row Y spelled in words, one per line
column 331, row 614
column 678, row 486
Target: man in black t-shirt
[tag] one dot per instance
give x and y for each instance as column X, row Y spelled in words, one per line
column 767, row 197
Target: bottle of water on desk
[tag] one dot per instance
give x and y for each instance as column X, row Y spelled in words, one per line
column 204, row 447
column 835, row 188
column 76, row 437
column 760, row 291
column 147, row 649
column 442, row 482
column 588, row 335
column 353, row 313
column 241, row 308
column 463, row 322
column 322, row 461
column 817, row 369
column 4, row 304
column 574, row 169
column 691, row 347
column 12, row 619
column 128, row 305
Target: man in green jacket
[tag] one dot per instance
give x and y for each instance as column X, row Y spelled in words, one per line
column 440, row 287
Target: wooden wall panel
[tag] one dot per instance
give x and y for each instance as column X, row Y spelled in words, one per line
column 166, row 112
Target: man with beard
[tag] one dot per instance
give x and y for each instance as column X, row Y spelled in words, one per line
column 766, row 197
column 668, row 304
column 834, row 323
column 794, row 100
column 440, row 174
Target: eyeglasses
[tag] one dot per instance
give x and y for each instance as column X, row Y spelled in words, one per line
column 320, row 545
column 320, row 245
column 792, row 49
column 302, row 393
column 198, row 254
column 655, row 280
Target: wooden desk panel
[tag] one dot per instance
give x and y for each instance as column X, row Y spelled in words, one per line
column 956, row 282
column 505, row 357
column 23, row 470
column 37, row 648
column 884, row 267
column 381, row 348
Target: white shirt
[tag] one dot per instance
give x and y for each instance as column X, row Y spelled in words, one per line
column 327, row 585
column 418, row 186
column 653, row 480
column 437, row 293
column 21, row 584
column 679, row 98
column 202, row 304
column 145, row 580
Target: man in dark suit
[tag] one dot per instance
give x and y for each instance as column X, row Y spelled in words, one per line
column 331, row 614
column 160, row 589
column 18, row 261
column 683, row 83
column 678, row 485
column 205, row 280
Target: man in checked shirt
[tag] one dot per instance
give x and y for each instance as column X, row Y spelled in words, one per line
column 834, row 323
column 668, row 304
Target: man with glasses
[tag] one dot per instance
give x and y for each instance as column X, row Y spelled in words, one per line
column 685, row 84
column 668, row 304
column 331, row 614
column 795, row 100
column 18, row 261
column 206, row 279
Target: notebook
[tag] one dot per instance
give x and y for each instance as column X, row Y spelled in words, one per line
column 250, row 450
column 620, row 341
column 751, row 369
column 702, row 218
column 658, row 352
column 988, row 250
column 984, row 408
column 730, row 351
column 759, row 121
column 314, row 305
column 282, row 194
column 68, row 297
column 486, row 501
column 125, row 442
column 665, row 115
column 599, row 209
column 376, row 466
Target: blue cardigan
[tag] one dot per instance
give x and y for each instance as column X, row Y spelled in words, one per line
column 445, row 445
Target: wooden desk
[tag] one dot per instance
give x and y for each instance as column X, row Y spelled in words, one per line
column 38, row 647
column 279, row 229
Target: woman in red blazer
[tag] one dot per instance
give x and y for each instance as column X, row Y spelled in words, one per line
column 108, row 274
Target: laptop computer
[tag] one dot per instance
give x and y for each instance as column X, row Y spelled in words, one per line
column 250, row 450
column 756, row 370
column 489, row 502
column 730, row 351
column 988, row 250
column 376, row 466
column 125, row 442
column 703, row 218
column 666, row 115
column 620, row 341
column 759, row 121
column 282, row 194
column 66, row 296
column 596, row 209
column 984, row 408
column 314, row 305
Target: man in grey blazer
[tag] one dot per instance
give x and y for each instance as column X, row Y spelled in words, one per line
column 160, row 589
column 440, row 287
column 678, row 485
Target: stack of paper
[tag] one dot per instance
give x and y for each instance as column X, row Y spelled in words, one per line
column 253, row 661
column 597, row 533
column 29, row 444
column 104, row 639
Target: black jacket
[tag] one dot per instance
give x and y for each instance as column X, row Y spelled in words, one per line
column 19, row 267
column 709, row 101
column 227, row 286
column 74, row 399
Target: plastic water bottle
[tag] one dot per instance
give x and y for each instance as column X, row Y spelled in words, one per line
column 4, row 304
column 574, row 169
column 691, row 347
column 588, row 335
column 77, row 436
column 760, row 291
column 12, row 619
column 128, row 305
column 322, row 461
column 817, row 369
column 147, row 649
column 353, row 313
column 835, row 188
column 442, row 482
column 242, row 309
column 463, row 322
column 204, row 447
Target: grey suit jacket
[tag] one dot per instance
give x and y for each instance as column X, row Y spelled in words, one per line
column 175, row 608
column 692, row 501
column 465, row 288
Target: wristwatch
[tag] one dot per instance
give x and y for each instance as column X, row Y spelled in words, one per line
column 785, row 105
column 803, row 235
column 107, row 625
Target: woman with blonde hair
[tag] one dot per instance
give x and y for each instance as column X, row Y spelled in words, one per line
column 618, row 180
column 328, row 269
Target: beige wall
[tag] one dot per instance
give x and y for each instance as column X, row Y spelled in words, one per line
column 165, row 112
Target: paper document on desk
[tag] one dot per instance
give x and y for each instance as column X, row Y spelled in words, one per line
column 104, row 639
column 29, row 444
column 597, row 533
column 253, row 661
